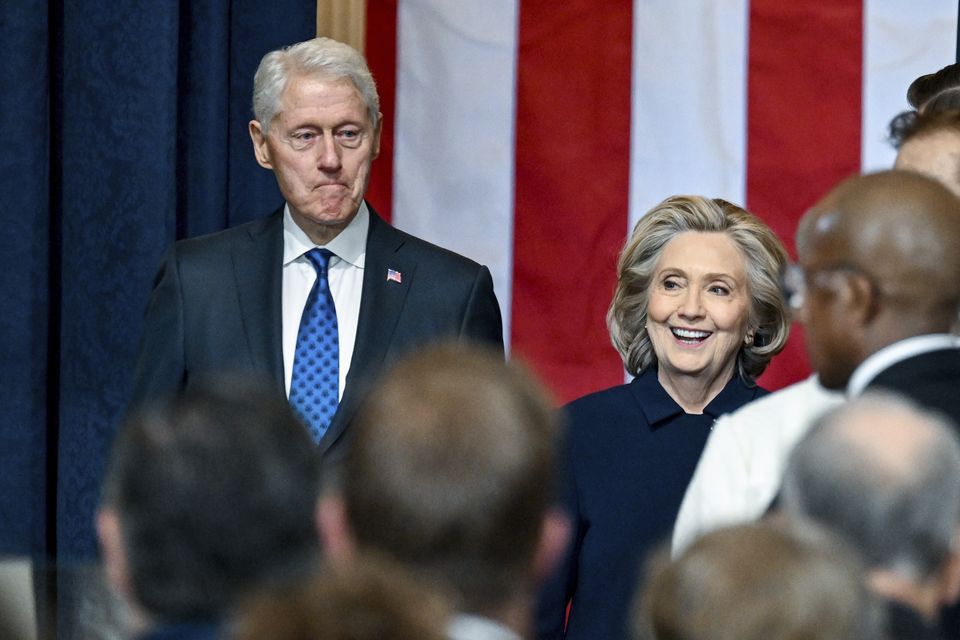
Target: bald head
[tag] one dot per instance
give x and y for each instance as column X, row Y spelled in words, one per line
column 896, row 225
column 881, row 258
column 888, row 436
column 886, row 475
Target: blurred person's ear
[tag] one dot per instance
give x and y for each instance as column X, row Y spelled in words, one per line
column 554, row 536
column 334, row 530
column 950, row 580
column 115, row 565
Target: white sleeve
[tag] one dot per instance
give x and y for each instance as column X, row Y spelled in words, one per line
column 741, row 467
column 717, row 494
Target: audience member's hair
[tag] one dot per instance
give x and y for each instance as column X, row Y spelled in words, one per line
column 942, row 87
column 763, row 253
column 901, row 512
column 911, row 124
column 320, row 58
column 452, row 472
column 369, row 600
column 761, row 581
column 215, row 492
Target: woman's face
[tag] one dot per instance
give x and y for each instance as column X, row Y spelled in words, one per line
column 698, row 306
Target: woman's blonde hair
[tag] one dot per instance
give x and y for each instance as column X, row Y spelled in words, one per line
column 765, row 257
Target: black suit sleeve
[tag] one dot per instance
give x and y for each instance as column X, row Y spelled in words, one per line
column 160, row 367
column 481, row 320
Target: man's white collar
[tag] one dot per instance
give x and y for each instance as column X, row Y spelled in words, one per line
column 894, row 353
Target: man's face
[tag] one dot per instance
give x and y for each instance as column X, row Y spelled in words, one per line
column 830, row 338
column 320, row 146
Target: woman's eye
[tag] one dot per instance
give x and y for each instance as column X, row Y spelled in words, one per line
column 720, row 290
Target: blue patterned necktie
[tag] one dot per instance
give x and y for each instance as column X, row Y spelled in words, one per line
column 316, row 364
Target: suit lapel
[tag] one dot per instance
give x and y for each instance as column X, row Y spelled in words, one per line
column 258, row 268
column 380, row 307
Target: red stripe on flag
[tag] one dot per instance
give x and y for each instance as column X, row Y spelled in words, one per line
column 381, row 54
column 803, row 126
column 572, row 178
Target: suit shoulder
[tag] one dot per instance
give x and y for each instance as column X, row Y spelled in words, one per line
column 440, row 257
column 614, row 400
column 219, row 243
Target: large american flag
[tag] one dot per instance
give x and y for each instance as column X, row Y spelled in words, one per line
column 531, row 135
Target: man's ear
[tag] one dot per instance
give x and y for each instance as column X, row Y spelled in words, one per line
column 260, row 148
column 860, row 298
column 950, row 579
column 554, row 536
column 115, row 563
column 334, row 530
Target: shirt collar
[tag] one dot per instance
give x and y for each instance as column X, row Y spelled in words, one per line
column 350, row 245
column 896, row 352
column 465, row 625
column 657, row 405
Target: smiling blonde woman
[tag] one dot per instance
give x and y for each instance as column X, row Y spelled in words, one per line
column 697, row 315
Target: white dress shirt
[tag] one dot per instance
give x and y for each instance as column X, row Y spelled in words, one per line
column 742, row 465
column 345, row 273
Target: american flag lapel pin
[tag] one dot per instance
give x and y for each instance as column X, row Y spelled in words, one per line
column 394, row 276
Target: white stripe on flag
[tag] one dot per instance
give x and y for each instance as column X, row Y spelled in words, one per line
column 688, row 101
column 901, row 40
column 454, row 149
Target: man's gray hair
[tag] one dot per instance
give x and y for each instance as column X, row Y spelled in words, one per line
column 885, row 474
column 320, row 57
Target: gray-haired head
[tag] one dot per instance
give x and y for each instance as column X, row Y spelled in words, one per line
column 764, row 257
column 885, row 474
column 319, row 57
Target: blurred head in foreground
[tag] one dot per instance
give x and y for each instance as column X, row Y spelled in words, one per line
column 206, row 497
column 886, row 475
column 762, row 581
column 367, row 600
column 451, row 473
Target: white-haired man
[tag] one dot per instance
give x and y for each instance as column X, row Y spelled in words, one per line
column 321, row 294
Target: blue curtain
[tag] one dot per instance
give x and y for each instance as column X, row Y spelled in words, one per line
column 124, row 127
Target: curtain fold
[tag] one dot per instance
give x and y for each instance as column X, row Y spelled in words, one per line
column 126, row 128
column 24, row 274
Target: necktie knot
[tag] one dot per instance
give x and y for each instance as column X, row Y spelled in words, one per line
column 319, row 258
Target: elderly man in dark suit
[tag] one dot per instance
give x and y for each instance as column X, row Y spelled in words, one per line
column 320, row 295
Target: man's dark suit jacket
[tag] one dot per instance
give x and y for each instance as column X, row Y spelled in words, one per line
column 216, row 307
column 932, row 380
